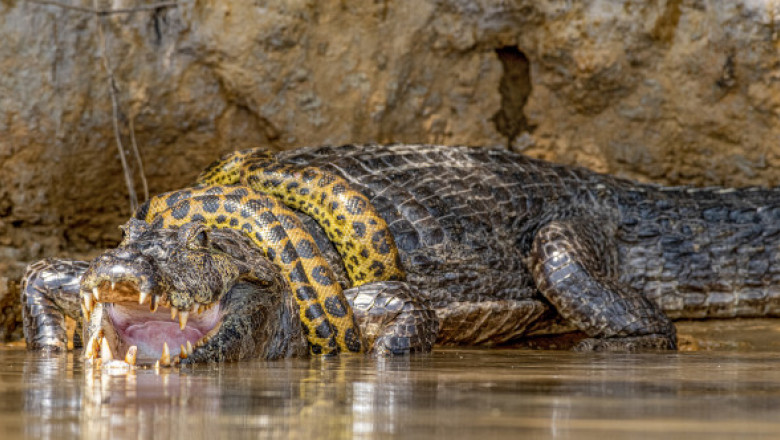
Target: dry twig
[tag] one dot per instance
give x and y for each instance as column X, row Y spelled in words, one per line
column 138, row 160
column 115, row 108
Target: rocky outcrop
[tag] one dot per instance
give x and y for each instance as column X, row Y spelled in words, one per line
column 675, row 92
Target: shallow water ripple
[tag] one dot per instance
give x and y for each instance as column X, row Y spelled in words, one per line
column 731, row 391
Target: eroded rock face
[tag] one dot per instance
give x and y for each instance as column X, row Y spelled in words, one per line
column 675, row 92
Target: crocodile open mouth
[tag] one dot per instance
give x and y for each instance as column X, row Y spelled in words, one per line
column 143, row 328
column 186, row 295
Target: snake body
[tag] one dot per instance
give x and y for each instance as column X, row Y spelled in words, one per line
column 328, row 320
column 349, row 219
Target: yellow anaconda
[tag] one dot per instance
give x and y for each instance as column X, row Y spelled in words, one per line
column 360, row 235
column 327, row 317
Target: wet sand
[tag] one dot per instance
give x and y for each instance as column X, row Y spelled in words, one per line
column 724, row 383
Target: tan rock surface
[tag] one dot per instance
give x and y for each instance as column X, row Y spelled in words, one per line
column 675, row 92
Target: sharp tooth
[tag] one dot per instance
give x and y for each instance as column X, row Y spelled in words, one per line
column 90, row 351
column 165, row 358
column 153, row 304
column 131, row 355
column 96, row 293
column 173, row 313
column 183, row 319
column 183, row 352
column 142, row 297
column 189, row 348
column 105, row 351
column 113, row 285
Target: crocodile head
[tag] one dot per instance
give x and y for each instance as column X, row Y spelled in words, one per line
column 185, row 295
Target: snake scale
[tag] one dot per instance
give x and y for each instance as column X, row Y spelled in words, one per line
column 239, row 191
column 427, row 243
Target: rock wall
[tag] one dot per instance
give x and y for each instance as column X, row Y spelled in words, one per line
column 678, row 92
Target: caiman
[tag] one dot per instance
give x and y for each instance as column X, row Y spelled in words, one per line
column 391, row 249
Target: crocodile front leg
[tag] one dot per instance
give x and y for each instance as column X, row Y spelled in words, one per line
column 573, row 265
column 393, row 318
column 50, row 291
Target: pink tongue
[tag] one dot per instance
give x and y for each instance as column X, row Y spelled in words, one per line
column 149, row 336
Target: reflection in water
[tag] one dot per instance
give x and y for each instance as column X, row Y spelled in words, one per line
column 449, row 394
column 54, row 399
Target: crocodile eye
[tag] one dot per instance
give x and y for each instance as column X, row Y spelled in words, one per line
column 198, row 239
column 201, row 238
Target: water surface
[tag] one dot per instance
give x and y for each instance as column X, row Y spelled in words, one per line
column 732, row 390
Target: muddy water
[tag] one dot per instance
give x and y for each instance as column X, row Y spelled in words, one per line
column 730, row 391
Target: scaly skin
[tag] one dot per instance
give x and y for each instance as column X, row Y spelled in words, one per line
column 502, row 247
column 347, row 216
column 222, row 272
column 276, row 230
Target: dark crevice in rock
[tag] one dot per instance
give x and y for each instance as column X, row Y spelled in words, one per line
column 666, row 25
column 515, row 88
column 159, row 19
column 727, row 79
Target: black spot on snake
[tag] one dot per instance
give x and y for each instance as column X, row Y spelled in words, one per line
column 181, row 210
column 306, row 248
column 288, row 253
column 305, row 293
column 210, row 203
column 321, row 275
column 335, row 307
column 358, row 229
column 277, row 234
column 324, row 330
column 314, row 312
